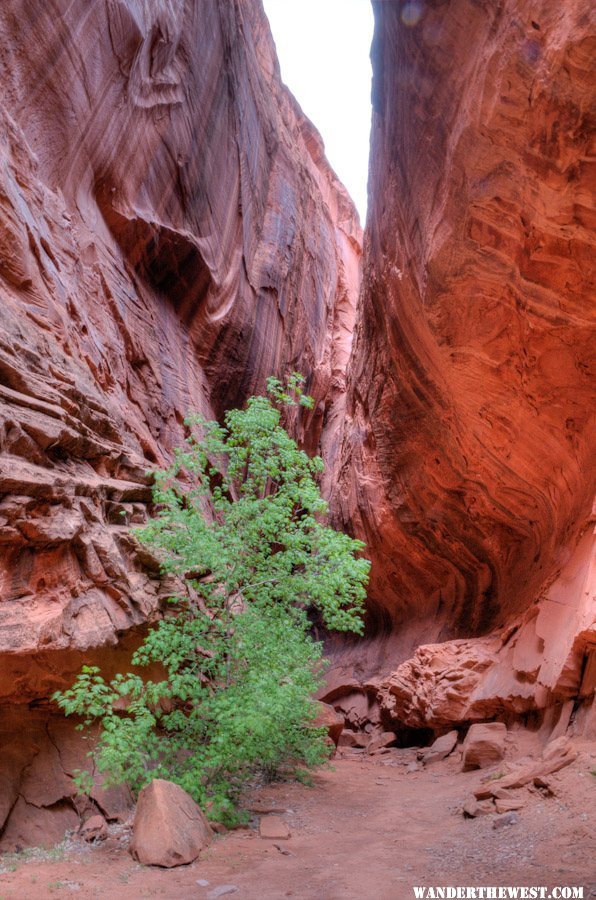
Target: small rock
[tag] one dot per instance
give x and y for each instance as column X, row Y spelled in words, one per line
column 202, row 882
column 472, row 809
column 510, row 818
column 485, row 792
column 505, row 806
column 219, row 827
column 283, row 850
column 353, row 739
column 484, row 745
column 94, row 829
column 222, row 890
column 544, row 786
column 412, row 767
column 441, row 748
column 274, row 828
column 169, row 829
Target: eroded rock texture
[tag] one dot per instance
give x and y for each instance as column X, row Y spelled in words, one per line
column 170, row 235
column 468, row 464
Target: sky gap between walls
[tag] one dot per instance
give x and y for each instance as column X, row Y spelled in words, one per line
column 323, row 48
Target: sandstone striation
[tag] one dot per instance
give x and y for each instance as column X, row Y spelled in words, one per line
column 170, row 235
column 544, row 660
column 468, row 460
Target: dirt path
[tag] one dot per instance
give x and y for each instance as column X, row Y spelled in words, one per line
column 370, row 830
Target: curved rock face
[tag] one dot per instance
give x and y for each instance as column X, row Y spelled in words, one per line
column 170, row 235
column 544, row 662
column 468, row 461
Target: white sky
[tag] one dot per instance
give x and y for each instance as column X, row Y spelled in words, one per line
column 323, row 48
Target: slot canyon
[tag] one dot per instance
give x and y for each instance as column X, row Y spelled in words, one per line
column 171, row 235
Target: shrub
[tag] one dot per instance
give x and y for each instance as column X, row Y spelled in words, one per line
column 241, row 519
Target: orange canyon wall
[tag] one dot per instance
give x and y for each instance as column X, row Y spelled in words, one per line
column 171, row 234
column 468, row 459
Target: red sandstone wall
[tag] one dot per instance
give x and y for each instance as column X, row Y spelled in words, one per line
column 468, row 462
column 170, row 235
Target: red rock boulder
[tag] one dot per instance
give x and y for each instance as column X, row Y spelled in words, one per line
column 169, row 829
column 330, row 719
column 484, row 745
column 440, row 748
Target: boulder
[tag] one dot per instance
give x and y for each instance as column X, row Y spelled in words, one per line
column 556, row 756
column 354, row 739
column 169, row 829
column 441, row 748
column 329, row 718
column 381, row 741
column 484, row 745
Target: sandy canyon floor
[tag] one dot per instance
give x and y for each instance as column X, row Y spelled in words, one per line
column 370, row 828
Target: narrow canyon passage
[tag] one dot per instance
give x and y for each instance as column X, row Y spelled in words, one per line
column 171, row 235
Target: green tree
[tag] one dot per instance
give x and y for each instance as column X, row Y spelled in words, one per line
column 241, row 519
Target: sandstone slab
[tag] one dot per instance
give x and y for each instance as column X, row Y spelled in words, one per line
column 381, row 741
column 505, row 806
column 274, row 828
column 439, row 749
